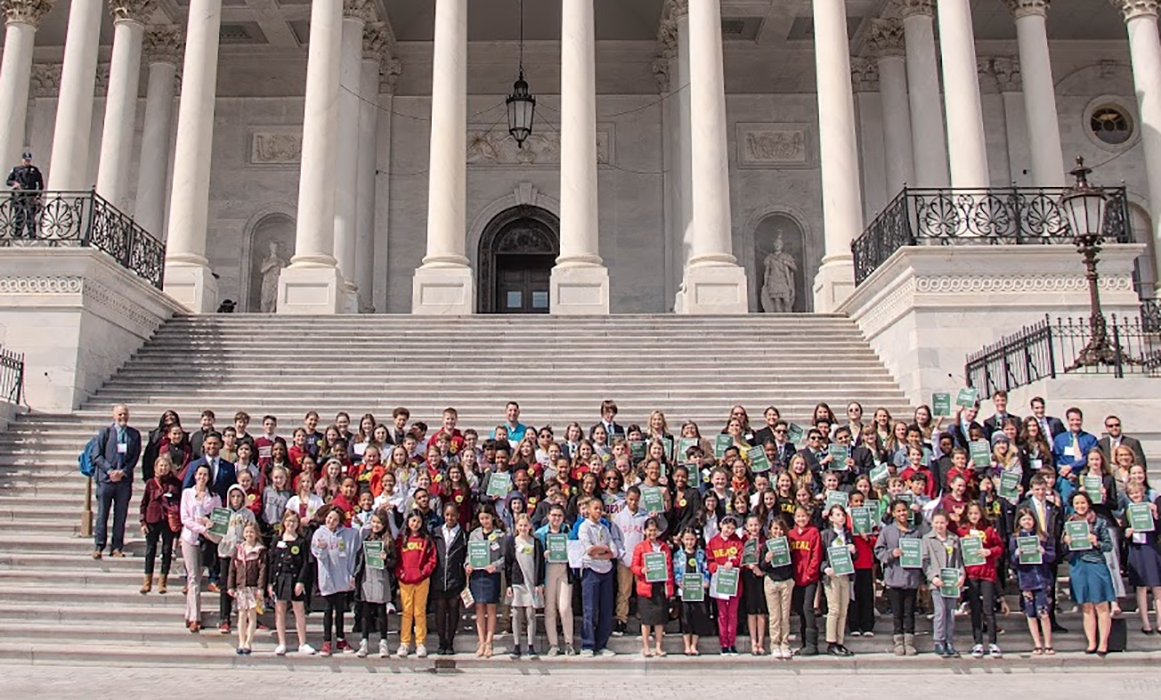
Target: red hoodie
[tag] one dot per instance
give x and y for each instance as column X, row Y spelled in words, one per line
column 416, row 559
column 805, row 554
column 994, row 549
column 720, row 550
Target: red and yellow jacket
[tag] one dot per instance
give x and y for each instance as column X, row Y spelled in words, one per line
column 805, row 554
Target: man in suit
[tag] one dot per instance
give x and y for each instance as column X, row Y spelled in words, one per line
column 815, row 453
column 1051, row 427
column 1044, row 506
column 783, row 448
column 114, row 455
column 961, row 430
column 1114, row 438
column 608, row 413
column 199, row 436
column 996, row 422
column 222, row 475
column 1070, row 448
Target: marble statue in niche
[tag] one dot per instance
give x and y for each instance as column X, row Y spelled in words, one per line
column 778, row 280
column 270, row 269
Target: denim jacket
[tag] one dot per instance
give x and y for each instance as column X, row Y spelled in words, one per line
column 681, row 558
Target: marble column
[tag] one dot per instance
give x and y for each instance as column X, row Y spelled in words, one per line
column 312, row 283
column 1039, row 92
column 23, row 17
column 886, row 41
column 684, row 150
column 842, row 205
column 1145, row 53
column 966, row 146
column 129, row 17
column 928, row 138
column 162, row 49
column 375, row 54
column 444, row 284
column 714, row 282
column 188, row 277
column 1006, row 71
column 869, row 135
column 580, row 282
column 74, row 113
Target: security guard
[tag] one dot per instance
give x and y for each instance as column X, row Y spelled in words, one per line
column 26, row 183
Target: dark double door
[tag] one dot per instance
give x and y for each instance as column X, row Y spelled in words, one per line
column 522, row 283
column 516, row 253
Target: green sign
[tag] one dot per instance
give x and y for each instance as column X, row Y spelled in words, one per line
column 912, row 550
column 557, row 548
column 877, row 508
column 219, row 522
column 683, row 446
column 637, row 449
column 840, row 453
column 373, row 554
column 941, row 404
column 863, row 520
column 879, row 475
column 981, row 453
column 973, row 551
column 1092, row 486
column 692, row 587
column 950, row 580
column 652, row 500
column 1077, row 531
column 750, row 551
column 499, row 484
column 836, row 497
column 795, row 433
column 779, row 547
column 655, row 569
column 480, row 554
column 726, row 583
column 1140, row 517
column 721, row 444
column 1010, row 485
column 966, row 397
column 840, row 560
column 1028, row 549
column 758, row 461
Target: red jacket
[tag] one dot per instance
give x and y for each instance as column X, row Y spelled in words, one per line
column 416, row 559
column 864, row 551
column 993, row 546
column 932, row 484
column 805, row 554
column 719, row 550
column 645, row 588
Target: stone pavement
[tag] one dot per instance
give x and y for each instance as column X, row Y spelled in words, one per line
column 21, row 681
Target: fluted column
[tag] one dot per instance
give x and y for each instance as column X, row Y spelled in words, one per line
column 580, row 281
column 1145, row 51
column 444, row 283
column 74, row 113
column 966, row 147
column 188, row 277
column 928, row 138
column 376, row 55
column 1039, row 92
column 162, row 49
column 842, row 205
column 886, row 40
column 714, row 283
column 22, row 17
column 129, row 17
column 312, row 283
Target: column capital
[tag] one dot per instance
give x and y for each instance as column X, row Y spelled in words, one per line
column 864, row 74
column 1028, row 8
column 886, row 38
column 1006, row 71
column 45, row 80
column 1132, row 9
column 676, row 8
column 379, row 46
column 164, row 43
column 908, row 8
column 26, row 11
column 359, row 9
column 138, row 11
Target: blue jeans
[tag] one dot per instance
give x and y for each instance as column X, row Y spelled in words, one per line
column 113, row 495
column 597, row 600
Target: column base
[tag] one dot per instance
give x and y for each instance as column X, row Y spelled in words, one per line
column 193, row 286
column 715, row 290
column 579, row 291
column 348, row 298
column 443, row 291
column 679, row 300
column 834, row 284
column 310, row 290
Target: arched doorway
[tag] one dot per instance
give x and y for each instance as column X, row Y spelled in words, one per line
column 517, row 251
column 271, row 241
column 779, row 238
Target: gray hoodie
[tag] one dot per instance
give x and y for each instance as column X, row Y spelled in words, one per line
column 894, row 575
column 337, row 554
column 936, row 556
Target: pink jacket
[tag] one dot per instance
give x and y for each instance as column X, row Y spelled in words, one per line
column 192, row 512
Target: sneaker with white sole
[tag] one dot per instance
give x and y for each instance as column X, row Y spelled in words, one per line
column 606, row 652
column 554, row 651
column 994, row 651
column 306, row 649
column 978, row 651
column 384, row 651
column 402, row 651
column 280, row 650
column 362, row 652
column 421, row 651
column 587, row 653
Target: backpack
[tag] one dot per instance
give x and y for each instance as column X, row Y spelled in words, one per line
column 84, row 460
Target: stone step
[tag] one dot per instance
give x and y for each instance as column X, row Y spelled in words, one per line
column 66, row 561
column 163, row 371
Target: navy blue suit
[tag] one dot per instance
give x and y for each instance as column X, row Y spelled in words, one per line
column 226, row 477
column 115, row 449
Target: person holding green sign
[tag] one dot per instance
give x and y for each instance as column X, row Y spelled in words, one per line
column 778, row 585
column 941, row 550
column 1034, row 580
column 558, row 584
column 197, row 503
column 725, row 554
column 1144, row 556
column 373, row 582
column 838, row 549
column 691, row 577
column 900, row 581
column 652, row 567
column 485, row 562
column 1088, row 575
column 979, row 539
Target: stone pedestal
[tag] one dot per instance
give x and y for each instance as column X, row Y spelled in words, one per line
column 834, row 282
column 443, row 291
column 312, row 289
column 579, row 291
column 715, row 289
column 192, row 285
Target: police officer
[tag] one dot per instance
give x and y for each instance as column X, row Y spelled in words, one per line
column 26, row 183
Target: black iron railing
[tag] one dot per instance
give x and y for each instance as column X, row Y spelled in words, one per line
column 995, row 216
column 1150, row 316
column 80, row 220
column 11, row 376
column 1048, row 349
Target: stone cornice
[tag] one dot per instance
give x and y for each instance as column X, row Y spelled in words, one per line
column 26, row 11
column 1132, row 9
column 886, row 38
column 908, row 8
column 359, row 9
column 1028, row 8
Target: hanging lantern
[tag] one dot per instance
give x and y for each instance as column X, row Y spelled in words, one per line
column 521, row 103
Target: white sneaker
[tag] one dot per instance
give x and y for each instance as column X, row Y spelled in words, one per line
column 554, row 651
column 362, row 652
column 994, row 651
column 306, row 649
column 280, row 650
column 607, row 652
column 384, row 652
column 587, row 653
column 421, row 651
column 402, row 651
column 978, row 651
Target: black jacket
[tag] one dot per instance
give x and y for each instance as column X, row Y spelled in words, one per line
column 449, row 577
column 512, row 570
column 285, row 561
column 27, row 176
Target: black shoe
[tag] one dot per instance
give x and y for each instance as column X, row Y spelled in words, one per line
column 1059, row 629
column 843, row 651
column 619, row 629
column 832, row 649
column 515, row 653
column 725, row 651
column 807, row 651
column 733, row 651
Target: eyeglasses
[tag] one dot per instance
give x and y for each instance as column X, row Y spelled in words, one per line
column 1112, row 425
column 815, row 437
column 780, row 432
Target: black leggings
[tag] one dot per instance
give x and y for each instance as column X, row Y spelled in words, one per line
column 802, row 602
column 903, row 609
column 158, row 531
column 982, row 601
column 372, row 615
column 862, row 613
column 447, row 618
column 225, row 602
column 334, row 605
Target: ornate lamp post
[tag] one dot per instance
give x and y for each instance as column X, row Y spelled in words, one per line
column 1084, row 207
column 521, row 103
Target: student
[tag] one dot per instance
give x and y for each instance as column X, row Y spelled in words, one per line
column 725, row 552
column 862, row 606
column 524, row 569
column 806, row 555
column 941, row 550
column 336, row 549
column 275, row 498
column 778, row 586
column 981, row 579
column 901, row 584
column 558, row 587
column 449, row 578
column 1088, row 575
column 485, row 583
column 599, row 553
column 415, row 563
column 837, row 586
column 160, row 511
column 1144, row 560
column 240, row 516
column 288, row 580
column 690, row 560
column 247, row 585
column 1034, row 580
column 629, row 530
column 652, row 596
column 373, row 593
column 753, row 591
column 197, row 502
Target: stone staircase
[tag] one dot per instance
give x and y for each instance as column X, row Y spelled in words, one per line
column 59, row 606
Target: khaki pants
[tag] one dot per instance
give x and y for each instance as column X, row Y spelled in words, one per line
column 838, row 598
column 778, row 596
column 191, row 554
column 625, row 586
column 413, row 597
column 558, row 601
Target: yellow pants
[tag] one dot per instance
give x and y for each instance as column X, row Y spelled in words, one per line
column 414, row 599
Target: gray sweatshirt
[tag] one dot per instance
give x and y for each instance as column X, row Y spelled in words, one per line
column 894, row 575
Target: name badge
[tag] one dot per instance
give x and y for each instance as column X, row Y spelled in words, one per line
column 122, row 448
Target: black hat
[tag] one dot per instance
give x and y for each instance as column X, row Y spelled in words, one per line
column 27, row 155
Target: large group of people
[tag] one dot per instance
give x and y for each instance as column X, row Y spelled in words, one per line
column 742, row 526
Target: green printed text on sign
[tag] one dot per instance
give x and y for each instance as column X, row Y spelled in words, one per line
column 726, row 583
column 981, row 454
column 652, row 500
column 836, row 497
column 880, row 474
column 721, row 444
column 1009, row 485
column 941, row 404
column 1140, row 517
column 692, row 587
column 912, row 550
column 840, row 560
column 1077, row 531
column 683, row 446
column 779, row 548
column 840, row 453
column 637, row 450
column 479, row 554
column 373, row 554
column 1092, row 486
column 1028, row 549
column 974, row 553
column 557, row 548
column 966, row 397
column 219, row 522
column 750, row 551
column 795, row 433
column 758, row 461
column 949, row 578
column 862, row 519
column 499, row 484
column 655, row 569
